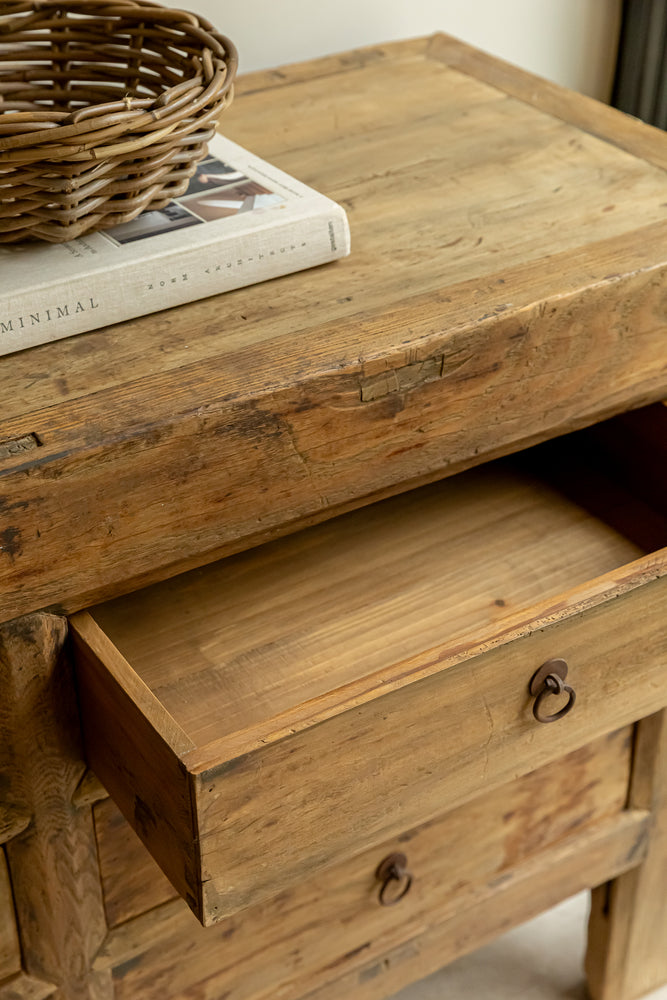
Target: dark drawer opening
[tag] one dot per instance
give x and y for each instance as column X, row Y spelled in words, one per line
column 616, row 470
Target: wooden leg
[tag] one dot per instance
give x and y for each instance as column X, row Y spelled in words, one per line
column 627, row 944
column 53, row 861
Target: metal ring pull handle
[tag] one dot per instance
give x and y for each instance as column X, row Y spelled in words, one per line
column 547, row 681
column 393, row 869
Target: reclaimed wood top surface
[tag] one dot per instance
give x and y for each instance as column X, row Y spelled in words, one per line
column 506, row 284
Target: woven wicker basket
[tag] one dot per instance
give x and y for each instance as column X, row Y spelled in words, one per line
column 105, row 110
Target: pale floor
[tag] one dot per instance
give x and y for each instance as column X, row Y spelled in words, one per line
column 541, row 960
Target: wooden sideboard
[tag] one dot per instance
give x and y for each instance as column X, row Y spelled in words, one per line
column 278, row 569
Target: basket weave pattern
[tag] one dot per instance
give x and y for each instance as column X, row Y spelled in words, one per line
column 105, row 110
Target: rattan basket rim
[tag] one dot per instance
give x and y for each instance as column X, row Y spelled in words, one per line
column 119, row 87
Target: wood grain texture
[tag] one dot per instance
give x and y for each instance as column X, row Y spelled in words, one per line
column 266, row 691
column 628, row 925
column 333, row 922
column 532, row 303
column 13, row 821
column 307, row 798
column 568, row 866
column 590, row 115
column 170, row 440
column 53, row 863
column 89, row 791
column 22, row 987
column 10, row 951
column 311, row 795
column 575, row 865
column 14, row 807
column 132, row 881
column 146, row 776
column 257, row 636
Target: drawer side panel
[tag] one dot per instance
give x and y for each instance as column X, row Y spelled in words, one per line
column 139, row 769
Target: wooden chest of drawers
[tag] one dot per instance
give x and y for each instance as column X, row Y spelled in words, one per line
column 282, row 568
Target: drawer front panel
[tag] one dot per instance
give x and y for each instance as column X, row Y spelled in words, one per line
column 334, row 922
column 271, row 817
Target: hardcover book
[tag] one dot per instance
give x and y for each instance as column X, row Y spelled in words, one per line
column 240, row 221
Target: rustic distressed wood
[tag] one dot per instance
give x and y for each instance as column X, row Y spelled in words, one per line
column 417, row 684
column 250, row 638
column 14, row 809
column 10, row 952
column 531, row 302
column 490, row 736
column 13, row 820
column 125, row 712
column 89, row 791
column 628, row 925
column 334, row 922
column 567, row 867
column 22, row 987
column 591, row 116
column 575, row 865
column 131, row 879
column 53, row 863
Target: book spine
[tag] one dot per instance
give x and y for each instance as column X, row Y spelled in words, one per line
column 140, row 287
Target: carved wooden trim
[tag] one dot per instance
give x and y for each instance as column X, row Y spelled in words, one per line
column 53, row 861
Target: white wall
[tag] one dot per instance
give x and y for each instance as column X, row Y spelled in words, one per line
column 570, row 41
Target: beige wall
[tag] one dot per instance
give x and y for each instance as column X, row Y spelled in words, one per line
column 570, row 41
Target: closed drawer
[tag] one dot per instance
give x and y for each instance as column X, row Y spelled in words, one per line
column 272, row 714
column 561, row 828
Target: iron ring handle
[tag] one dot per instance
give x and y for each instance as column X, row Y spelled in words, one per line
column 393, row 869
column 554, row 687
column 550, row 680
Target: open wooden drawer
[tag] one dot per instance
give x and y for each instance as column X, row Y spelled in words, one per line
column 281, row 710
